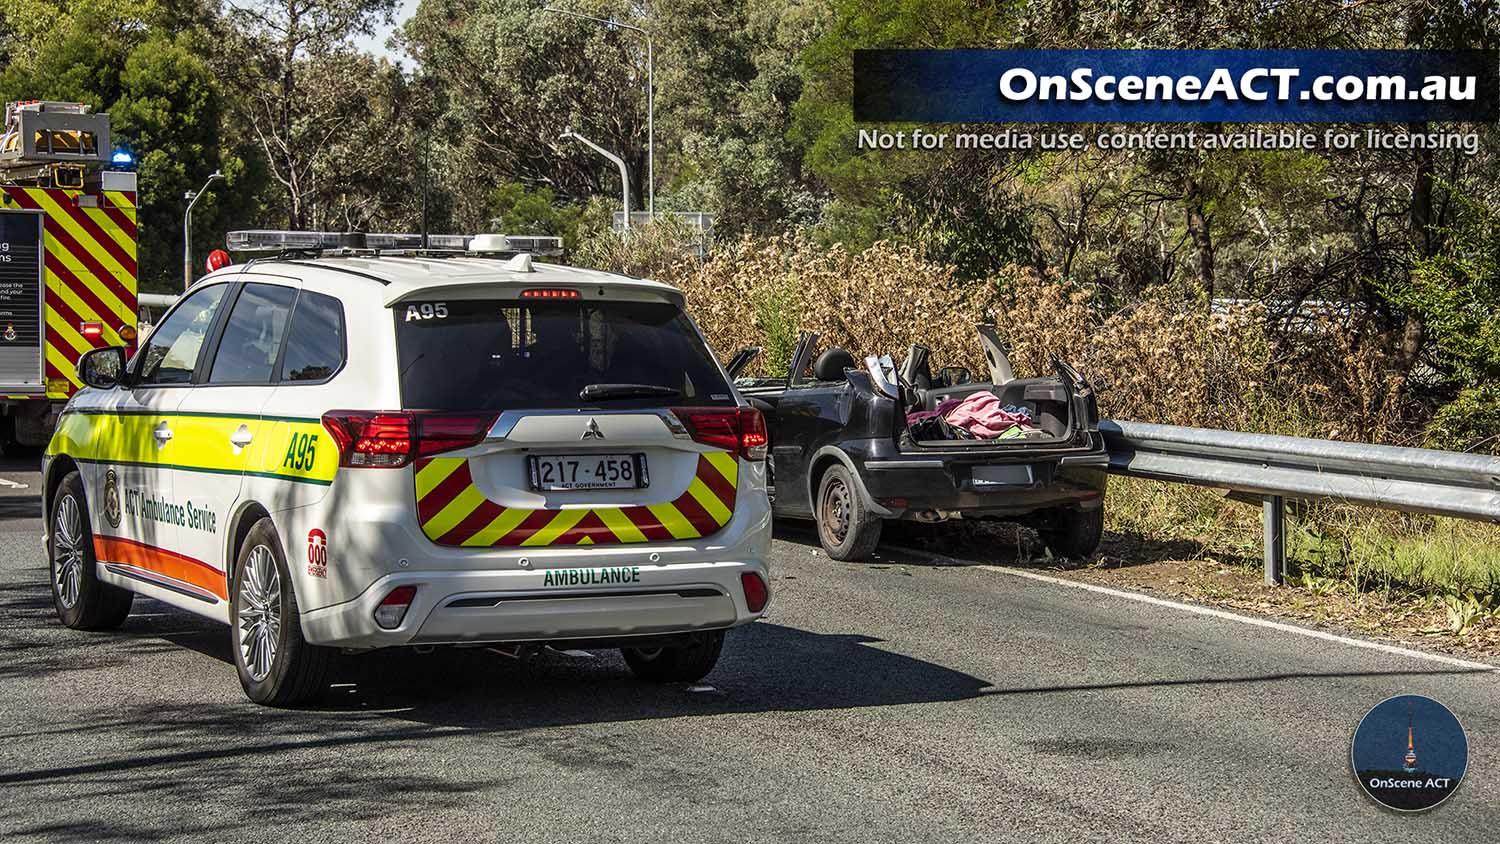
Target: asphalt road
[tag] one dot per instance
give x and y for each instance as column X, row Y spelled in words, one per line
column 897, row 700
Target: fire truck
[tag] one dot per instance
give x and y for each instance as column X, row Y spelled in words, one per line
column 67, row 259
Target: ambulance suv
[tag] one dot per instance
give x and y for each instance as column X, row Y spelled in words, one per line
column 351, row 449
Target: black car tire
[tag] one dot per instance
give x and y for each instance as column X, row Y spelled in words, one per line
column 294, row 671
column 83, row 601
column 677, row 663
column 1074, row 534
column 846, row 529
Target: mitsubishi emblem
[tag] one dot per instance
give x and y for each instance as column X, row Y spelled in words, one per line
column 592, row 432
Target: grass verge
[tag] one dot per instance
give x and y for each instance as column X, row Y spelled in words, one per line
column 1421, row 575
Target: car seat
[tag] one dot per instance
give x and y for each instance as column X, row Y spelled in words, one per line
column 831, row 364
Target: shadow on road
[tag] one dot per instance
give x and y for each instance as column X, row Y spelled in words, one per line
column 21, row 507
column 959, row 543
column 390, row 704
column 27, row 461
column 332, row 762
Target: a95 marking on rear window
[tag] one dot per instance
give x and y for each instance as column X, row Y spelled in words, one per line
column 426, row 310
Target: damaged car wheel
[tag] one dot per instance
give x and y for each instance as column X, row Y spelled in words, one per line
column 846, row 529
column 1074, row 534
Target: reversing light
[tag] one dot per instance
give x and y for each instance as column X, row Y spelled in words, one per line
column 393, row 607
column 757, row 594
column 549, row 293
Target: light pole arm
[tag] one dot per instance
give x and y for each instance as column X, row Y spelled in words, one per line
column 650, row 99
column 606, row 21
column 619, row 162
column 187, row 229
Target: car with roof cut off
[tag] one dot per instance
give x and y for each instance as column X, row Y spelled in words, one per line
column 345, row 447
column 854, row 446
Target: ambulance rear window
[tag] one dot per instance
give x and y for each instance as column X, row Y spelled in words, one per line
column 514, row 354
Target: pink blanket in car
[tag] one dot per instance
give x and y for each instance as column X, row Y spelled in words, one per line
column 981, row 415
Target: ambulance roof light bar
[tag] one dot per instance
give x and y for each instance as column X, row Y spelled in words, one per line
column 272, row 240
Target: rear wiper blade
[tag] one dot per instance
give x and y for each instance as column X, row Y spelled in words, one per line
column 598, row 392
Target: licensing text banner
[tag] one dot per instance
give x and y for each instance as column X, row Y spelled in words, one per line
column 1176, row 86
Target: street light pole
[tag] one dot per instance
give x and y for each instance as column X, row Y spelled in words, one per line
column 187, row 228
column 650, row 101
column 619, row 162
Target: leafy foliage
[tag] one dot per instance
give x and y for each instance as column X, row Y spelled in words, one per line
column 1456, row 292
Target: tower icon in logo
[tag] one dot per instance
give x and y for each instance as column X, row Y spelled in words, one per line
column 1409, row 764
column 10, row 333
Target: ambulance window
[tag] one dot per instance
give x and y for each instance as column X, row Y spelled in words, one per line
column 171, row 352
column 252, row 337
column 315, row 342
column 499, row 354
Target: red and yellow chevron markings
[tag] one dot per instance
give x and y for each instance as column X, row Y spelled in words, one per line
column 90, row 269
column 453, row 511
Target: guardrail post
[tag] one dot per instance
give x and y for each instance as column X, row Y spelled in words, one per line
column 1273, row 512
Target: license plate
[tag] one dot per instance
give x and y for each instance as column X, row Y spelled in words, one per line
column 587, row 471
column 1002, row 475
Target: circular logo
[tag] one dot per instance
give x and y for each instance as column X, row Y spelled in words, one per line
column 10, row 333
column 1410, row 753
column 111, row 498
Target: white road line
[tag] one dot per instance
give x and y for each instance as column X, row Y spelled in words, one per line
column 12, row 484
column 1215, row 613
column 1245, row 619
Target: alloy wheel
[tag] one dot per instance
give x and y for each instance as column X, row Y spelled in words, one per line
column 67, row 551
column 259, row 613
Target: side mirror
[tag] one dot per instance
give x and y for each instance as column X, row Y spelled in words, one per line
column 102, row 368
column 955, row 375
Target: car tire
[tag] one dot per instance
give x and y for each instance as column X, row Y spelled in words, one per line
column 846, row 529
column 83, row 601
column 1074, row 534
column 277, row 667
column 677, row 663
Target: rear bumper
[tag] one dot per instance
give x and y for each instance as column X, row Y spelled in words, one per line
column 518, row 606
column 911, row 485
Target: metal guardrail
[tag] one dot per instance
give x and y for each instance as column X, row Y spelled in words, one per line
column 1276, row 468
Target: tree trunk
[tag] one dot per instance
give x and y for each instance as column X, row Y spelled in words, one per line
column 1420, row 234
column 1198, row 229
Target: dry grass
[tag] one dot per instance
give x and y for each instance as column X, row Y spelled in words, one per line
column 882, row 299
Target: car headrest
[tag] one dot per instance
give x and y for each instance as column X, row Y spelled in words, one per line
column 831, row 364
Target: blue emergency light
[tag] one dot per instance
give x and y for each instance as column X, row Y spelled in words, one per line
column 122, row 159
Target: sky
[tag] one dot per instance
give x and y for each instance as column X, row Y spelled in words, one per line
column 376, row 43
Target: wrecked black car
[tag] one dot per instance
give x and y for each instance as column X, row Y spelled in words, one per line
column 854, row 445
